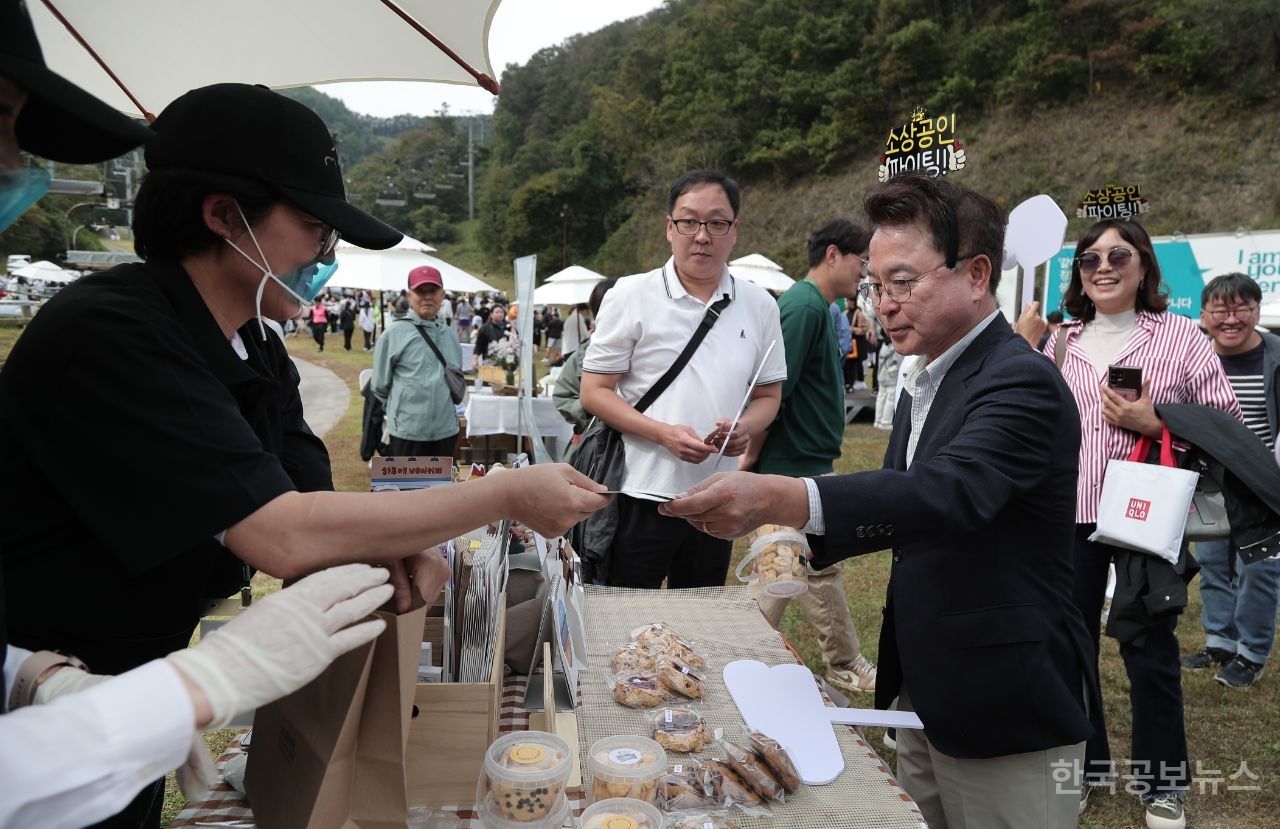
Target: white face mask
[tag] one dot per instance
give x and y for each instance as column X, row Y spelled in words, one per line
column 303, row 283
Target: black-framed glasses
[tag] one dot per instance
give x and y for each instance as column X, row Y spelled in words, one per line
column 1224, row 314
column 899, row 290
column 690, row 227
column 1091, row 260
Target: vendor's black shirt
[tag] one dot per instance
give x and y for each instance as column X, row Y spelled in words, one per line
column 134, row 434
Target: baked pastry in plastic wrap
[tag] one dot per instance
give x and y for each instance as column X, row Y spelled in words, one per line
column 679, row 729
column 683, row 787
column 754, row 771
column 776, row 757
column 681, row 677
column 639, row 689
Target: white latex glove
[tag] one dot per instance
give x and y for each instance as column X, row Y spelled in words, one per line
column 284, row 641
column 65, row 680
column 198, row 775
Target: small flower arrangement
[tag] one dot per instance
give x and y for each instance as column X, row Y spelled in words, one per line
column 506, row 355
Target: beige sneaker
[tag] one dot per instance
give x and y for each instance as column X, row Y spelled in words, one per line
column 858, row 675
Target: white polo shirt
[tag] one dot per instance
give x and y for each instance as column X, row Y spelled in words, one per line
column 644, row 323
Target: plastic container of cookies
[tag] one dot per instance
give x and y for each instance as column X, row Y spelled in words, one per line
column 622, row 813
column 626, row 766
column 491, row 817
column 780, row 556
column 525, row 777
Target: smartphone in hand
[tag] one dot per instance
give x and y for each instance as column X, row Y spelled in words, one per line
column 1125, row 381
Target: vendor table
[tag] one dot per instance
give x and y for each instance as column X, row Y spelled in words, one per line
column 225, row 804
column 493, row 414
column 725, row 624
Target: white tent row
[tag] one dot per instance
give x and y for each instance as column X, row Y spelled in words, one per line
column 388, row 270
column 46, row 270
column 571, row 286
column 762, row 271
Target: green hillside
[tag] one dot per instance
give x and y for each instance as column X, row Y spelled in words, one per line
column 795, row 100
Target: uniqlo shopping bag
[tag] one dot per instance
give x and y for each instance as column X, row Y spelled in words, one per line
column 1144, row 505
column 332, row 754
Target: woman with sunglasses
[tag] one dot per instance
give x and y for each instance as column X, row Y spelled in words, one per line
column 1120, row 317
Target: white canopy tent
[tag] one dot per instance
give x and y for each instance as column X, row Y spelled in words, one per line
column 388, row 270
column 46, row 270
column 575, row 273
column 762, row 271
column 160, row 49
column 571, row 286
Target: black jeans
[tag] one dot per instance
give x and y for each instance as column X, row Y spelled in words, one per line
column 346, row 338
column 368, row 339
column 650, row 547
column 317, row 333
column 1159, row 749
column 401, row 448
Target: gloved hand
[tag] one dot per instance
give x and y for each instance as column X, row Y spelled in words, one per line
column 198, row 775
column 65, row 681
column 284, row 641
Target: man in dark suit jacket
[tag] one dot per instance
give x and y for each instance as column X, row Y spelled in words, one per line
column 977, row 500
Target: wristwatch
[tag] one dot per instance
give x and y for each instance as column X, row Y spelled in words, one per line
column 38, row 667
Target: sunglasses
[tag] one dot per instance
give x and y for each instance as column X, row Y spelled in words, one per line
column 1091, row 260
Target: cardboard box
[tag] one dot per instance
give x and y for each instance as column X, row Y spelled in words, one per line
column 452, row 725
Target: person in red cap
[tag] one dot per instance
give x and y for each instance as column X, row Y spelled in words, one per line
column 409, row 365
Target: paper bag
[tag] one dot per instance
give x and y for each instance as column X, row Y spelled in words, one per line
column 331, row 755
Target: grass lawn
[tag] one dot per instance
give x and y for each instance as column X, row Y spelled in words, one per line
column 1225, row 728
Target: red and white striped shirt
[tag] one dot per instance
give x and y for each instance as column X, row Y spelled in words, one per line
column 1179, row 362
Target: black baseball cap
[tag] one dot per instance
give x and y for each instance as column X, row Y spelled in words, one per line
column 232, row 133
column 59, row 121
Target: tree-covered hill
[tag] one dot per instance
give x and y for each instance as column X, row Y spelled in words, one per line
column 795, row 99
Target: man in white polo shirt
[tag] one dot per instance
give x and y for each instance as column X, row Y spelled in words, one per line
column 644, row 324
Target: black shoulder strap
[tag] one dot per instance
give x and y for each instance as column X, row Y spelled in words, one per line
column 713, row 314
column 433, row 346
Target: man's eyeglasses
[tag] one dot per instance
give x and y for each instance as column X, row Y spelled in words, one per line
column 899, row 290
column 690, row 227
column 1223, row 314
column 1091, row 260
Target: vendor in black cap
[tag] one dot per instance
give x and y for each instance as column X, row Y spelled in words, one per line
column 162, row 438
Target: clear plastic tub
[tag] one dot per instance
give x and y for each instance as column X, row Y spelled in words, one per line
column 526, row 773
column 626, row 767
column 780, row 556
column 491, row 818
column 622, row 813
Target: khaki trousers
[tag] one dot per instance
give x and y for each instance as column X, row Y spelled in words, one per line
column 1035, row 790
column 825, row 605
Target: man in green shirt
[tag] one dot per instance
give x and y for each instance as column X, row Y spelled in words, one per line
column 805, row 438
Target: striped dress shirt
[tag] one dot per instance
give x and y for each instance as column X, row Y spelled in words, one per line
column 1179, row 362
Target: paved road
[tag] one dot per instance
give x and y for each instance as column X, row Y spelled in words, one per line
column 324, row 396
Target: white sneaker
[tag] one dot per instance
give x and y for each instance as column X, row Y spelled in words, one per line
column 1165, row 811
column 859, row 675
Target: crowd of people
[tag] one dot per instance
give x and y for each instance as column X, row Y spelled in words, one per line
column 159, row 481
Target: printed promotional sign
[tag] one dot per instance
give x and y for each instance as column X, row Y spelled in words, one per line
column 1113, row 202
column 1188, row 263
column 408, row 473
column 924, row 143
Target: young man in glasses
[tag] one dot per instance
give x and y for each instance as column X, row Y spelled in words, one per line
column 645, row 322
column 976, row 499
column 1239, row 614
